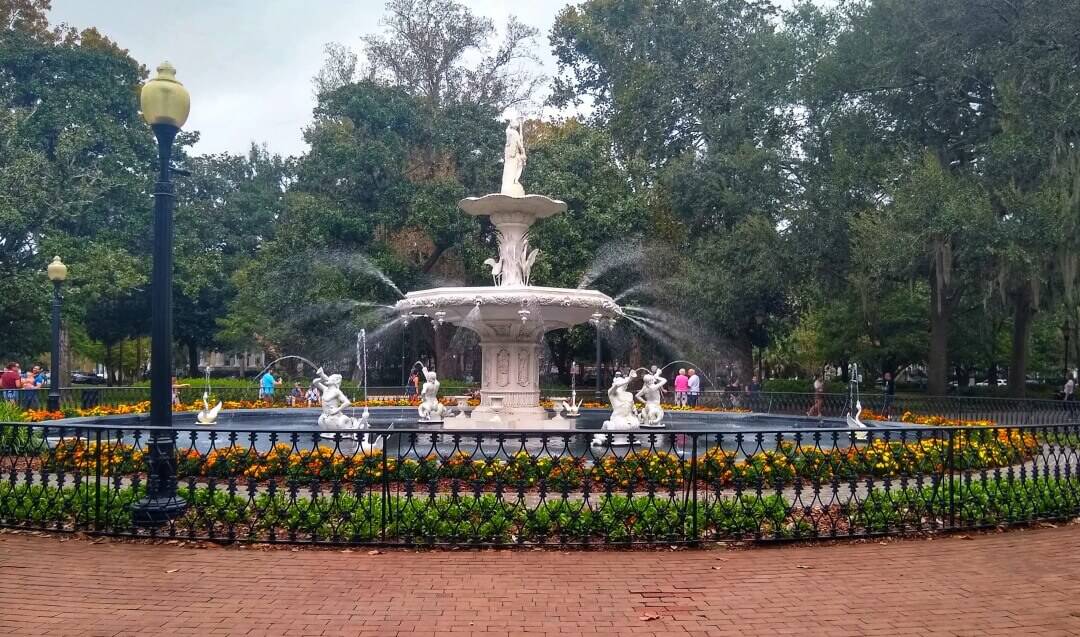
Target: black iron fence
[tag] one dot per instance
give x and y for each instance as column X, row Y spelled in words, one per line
column 998, row 411
column 425, row 487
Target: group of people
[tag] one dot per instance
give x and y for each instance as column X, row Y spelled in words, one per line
column 21, row 387
column 687, row 388
column 297, row 395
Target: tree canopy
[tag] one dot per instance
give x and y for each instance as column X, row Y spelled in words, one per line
column 766, row 188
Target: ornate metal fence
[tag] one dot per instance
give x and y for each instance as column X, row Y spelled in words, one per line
column 999, row 411
column 427, row 487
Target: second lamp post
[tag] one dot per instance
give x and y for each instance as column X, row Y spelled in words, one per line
column 57, row 273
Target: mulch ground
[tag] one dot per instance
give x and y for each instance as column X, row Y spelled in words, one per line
column 1020, row 582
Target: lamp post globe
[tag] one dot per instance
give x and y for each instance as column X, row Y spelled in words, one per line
column 57, row 272
column 165, row 106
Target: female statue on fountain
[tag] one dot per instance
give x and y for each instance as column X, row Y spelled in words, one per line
column 430, row 409
column 513, row 160
column 652, row 413
column 334, row 402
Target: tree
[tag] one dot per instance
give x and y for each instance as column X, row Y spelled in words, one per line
column 697, row 95
column 73, row 154
column 426, row 47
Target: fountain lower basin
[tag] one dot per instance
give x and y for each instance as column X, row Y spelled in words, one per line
column 511, row 322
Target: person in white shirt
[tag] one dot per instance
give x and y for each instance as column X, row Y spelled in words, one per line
column 819, row 398
column 693, row 383
column 1070, row 395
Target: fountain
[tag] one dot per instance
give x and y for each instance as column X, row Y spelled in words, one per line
column 511, row 316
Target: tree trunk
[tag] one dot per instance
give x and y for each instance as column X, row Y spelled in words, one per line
column 108, row 365
column 444, row 362
column 937, row 359
column 1023, row 318
column 193, row 360
column 744, row 359
column 120, row 364
column 138, row 359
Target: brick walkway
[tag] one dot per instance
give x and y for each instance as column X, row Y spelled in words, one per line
column 1024, row 582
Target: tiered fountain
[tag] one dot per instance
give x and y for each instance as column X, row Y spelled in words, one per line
column 512, row 316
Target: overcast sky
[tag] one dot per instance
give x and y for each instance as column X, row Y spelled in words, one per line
column 248, row 63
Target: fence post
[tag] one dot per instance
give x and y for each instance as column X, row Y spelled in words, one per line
column 97, row 480
column 693, row 490
column 385, row 493
column 950, row 467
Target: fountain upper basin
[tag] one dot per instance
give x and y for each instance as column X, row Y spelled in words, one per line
column 482, row 308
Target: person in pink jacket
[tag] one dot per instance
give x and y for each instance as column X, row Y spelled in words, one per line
column 682, row 385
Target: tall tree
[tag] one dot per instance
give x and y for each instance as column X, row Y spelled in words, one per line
column 430, row 48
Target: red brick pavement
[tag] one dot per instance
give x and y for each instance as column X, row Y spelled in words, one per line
column 1015, row 583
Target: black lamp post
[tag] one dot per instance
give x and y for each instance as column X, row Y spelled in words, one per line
column 57, row 273
column 165, row 106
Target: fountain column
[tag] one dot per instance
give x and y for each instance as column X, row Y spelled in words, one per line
column 510, row 376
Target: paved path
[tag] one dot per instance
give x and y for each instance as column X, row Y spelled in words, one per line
column 1024, row 582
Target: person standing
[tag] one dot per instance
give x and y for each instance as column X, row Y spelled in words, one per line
column 176, row 385
column 1070, row 395
column 752, row 391
column 819, row 398
column 890, row 393
column 682, row 385
column 693, row 382
column 30, row 386
column 412, row 386
column 266, row 387
column 10, row 381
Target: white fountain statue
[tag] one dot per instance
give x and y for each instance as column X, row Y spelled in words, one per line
column 652, row 414
column 514, row 159
column 571, row 408
column 512, row 316
column 333, row 419
column 430, row 409
column 208, row 415
column 623, row 416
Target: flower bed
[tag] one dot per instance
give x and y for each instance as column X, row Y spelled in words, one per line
column 646, row 469
column 933, row 421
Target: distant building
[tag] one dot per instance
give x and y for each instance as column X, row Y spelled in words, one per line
column 233, row 364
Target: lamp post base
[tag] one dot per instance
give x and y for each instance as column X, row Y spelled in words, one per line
column 150, row 512
column 53, row 402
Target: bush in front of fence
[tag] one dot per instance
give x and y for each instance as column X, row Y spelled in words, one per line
column 214, row 512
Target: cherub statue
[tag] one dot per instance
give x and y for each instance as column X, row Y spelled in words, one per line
column 652, row 414
column 430, row 409
column 334, row 402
